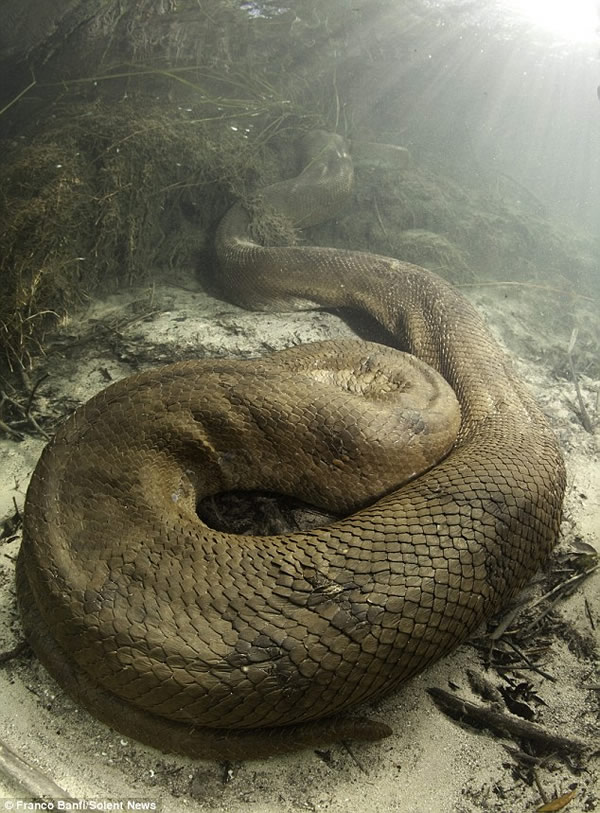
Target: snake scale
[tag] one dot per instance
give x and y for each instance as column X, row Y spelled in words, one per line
column 213, row 645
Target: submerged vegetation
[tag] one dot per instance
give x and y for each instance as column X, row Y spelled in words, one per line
column 152, row 120
column 103, row 197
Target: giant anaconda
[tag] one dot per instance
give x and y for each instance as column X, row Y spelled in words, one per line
column 215, row 645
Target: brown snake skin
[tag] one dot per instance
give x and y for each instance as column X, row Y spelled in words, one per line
column 214, row 645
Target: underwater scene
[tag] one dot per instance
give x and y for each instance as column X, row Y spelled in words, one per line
column 299, row 405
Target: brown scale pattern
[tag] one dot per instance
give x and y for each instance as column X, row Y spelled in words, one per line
column 220, row 646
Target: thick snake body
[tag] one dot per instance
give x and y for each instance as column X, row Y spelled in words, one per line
column 213, row 645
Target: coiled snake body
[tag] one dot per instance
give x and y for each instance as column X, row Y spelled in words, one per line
column 220, row 646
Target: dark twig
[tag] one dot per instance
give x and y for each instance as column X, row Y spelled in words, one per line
column 25, row 778
column 586, row 421
column 539, row 787
column 34, row 389
column 588, row 612
column 529, row 662
column 503, row 724
column 20, row 94
column 354, row 758
column 28, row 407
column 505, row 623
column 522, row 756
column 558, row 593
column 15, row 652
column 10, row 526
column 4, row 427
column 25, row 410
